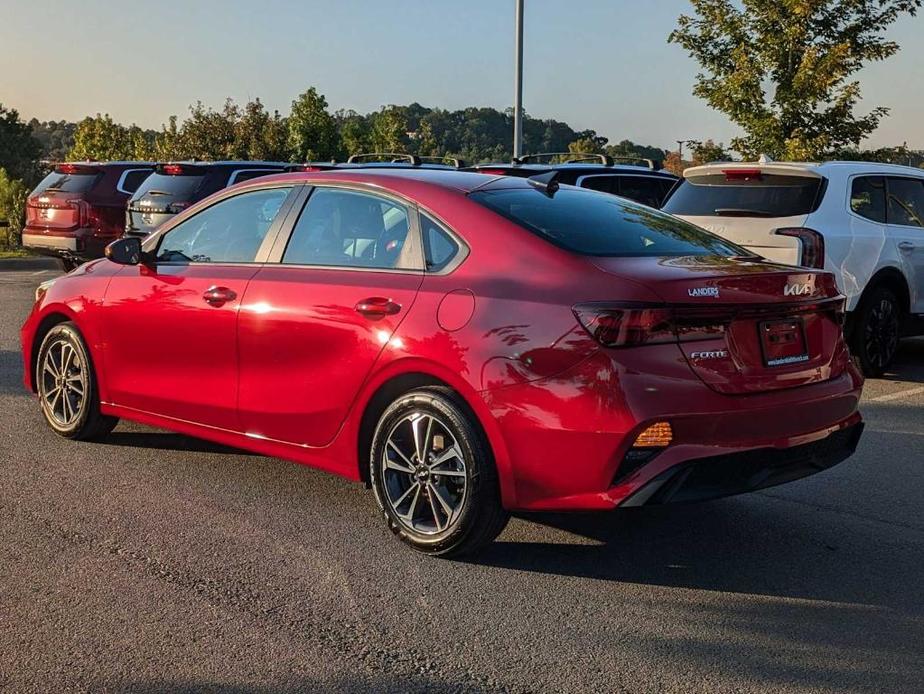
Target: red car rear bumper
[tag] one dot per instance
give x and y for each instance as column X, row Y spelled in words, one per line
column 567, row 436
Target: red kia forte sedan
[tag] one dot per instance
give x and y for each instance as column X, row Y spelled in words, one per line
column 467, row 345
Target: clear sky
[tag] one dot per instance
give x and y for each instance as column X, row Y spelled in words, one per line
column 601, row 64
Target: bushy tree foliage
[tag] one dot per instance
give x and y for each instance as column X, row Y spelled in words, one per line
column 19, row 150
column 781, row 69
column 13, row 194
column 312, row 130
column 99, row 138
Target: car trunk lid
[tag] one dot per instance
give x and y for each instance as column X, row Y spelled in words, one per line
column 746, row 326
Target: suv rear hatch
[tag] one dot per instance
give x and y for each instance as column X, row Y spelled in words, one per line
column 58, row 205
column 745, row 326
column 750, row 204
column 169, row 190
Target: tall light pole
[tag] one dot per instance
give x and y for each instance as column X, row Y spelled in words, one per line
column 518, row 85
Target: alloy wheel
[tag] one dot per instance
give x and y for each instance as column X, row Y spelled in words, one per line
column 424, row 474
column 64, row 383
column 882, row 333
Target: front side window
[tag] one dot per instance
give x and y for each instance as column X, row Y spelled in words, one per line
column 868, row 198
column 344, row 228
column 906, row 202
column 595, row 224
column 230, row 231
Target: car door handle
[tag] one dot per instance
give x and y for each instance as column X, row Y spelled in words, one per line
column 907, row 245
column 377, row 307
column 218, row 296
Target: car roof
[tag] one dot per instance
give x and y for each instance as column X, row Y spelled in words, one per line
column 802, row 167
column 102, row 164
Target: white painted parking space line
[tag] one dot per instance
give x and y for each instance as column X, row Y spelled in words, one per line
column 41, row 272
column 899, row 395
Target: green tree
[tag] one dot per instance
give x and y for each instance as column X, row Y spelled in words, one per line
column 389, row 130
column 19, row 150
column 260, row 134
column 354, row 131
column 55, row 137
column 13, row 194
column 210, row 134
column 99, row 138
column 780, row 69
column 705, row 152
column 312, row 131
column 169, row 144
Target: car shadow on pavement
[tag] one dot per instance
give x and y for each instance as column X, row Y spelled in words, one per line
column 738, row 545
column 908, row 366
column 11, row 373
column 169, row 441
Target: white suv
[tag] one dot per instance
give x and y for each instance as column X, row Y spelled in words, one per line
column 862, row 221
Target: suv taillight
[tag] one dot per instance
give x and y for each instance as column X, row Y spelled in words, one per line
column 630, row 325
column 812, row 243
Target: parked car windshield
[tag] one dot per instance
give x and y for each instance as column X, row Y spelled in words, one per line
column 764, row 195
column 598, row 224
column 166, row 189
column 67, row 183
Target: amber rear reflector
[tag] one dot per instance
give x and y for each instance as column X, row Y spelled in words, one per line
column 658, row 435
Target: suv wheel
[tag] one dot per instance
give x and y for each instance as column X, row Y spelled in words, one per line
column 876, row 331
column 67, row 386
column 433, row 475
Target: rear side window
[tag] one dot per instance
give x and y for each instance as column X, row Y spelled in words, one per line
column 644, row 189
column 242, row 175
column 738, row 195
column 603, row 184
column 906, row 202
column 230, row 231
column 344, row 228
column 602, row 225
column 868, row 197
column 131, row 179
column 439, row 247
column 67, row 183
column 162, row 189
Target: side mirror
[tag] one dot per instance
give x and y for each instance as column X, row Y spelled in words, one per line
column 125, row 251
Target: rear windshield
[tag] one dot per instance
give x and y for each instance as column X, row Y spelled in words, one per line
column 767, row 195
column 166, row 189
column 67, row 183
column 598, row 224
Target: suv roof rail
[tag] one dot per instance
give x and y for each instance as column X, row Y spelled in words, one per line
column 579, row 157
column 412, row 159
column 455, row 162
column 570, row 157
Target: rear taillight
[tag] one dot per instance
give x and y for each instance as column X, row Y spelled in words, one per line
column 492, row 172
column 812, row 243
column 630, row 325
column 172, row 169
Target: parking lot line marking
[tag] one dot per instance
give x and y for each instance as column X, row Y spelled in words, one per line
column 41, row 272
column 899, row 395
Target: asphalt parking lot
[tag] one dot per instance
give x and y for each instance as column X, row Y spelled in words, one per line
column 155, row 562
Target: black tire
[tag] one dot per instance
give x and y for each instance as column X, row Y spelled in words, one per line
column 876, row 329
column 85, row 422
column 477, row 516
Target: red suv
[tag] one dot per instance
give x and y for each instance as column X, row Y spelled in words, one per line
column 80, row 207
column 465, row 344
